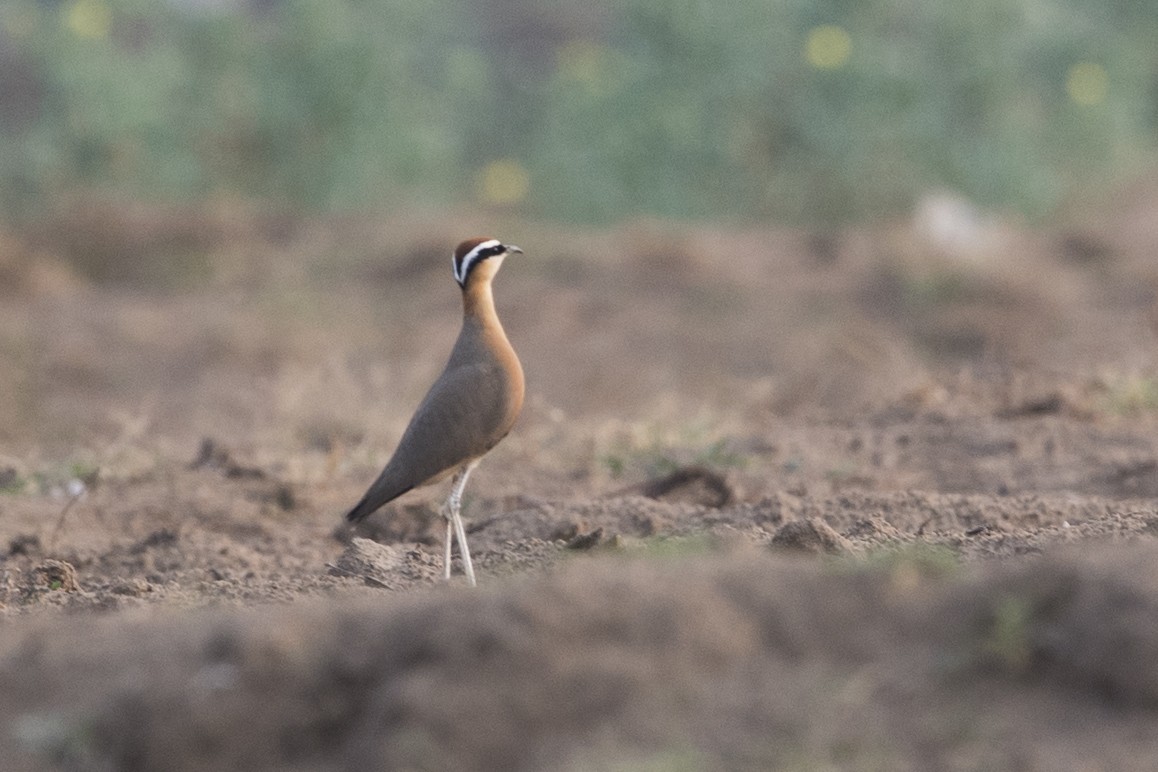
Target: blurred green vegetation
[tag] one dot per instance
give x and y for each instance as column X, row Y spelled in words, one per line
column 797, row 110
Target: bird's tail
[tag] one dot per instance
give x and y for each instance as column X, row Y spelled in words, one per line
column 370, row 504
column 360, row 512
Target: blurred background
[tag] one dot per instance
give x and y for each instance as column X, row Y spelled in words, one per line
column 231, row 218
column 796, row 111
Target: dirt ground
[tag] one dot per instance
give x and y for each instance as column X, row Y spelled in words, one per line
column 870, row 499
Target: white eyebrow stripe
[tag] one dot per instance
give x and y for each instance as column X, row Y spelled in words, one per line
column 469, row 259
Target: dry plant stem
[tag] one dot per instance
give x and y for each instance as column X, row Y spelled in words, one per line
column 88, row 481
column 60, row 520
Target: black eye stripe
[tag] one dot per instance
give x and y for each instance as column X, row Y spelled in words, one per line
column 464, row 268
column 477, row 258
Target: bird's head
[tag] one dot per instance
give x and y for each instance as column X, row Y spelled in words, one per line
column 479, row 259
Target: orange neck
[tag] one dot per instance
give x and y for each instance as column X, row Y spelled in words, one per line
column 478, row 301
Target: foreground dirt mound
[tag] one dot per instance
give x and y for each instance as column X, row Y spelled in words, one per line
column 732, row 660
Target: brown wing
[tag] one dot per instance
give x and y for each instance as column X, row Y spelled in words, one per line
column 462, row 416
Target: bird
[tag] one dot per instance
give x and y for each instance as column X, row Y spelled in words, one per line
column 472, row 405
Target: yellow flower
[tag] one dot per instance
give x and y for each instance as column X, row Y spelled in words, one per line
column 503, row 182
column 89, row 19
column 581, row 60
column 1087, row 83
column 828, row 47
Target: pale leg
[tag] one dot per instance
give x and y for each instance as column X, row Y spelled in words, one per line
column 454, row 502
column 449, row 536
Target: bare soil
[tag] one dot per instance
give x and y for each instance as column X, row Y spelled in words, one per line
column 778, row 499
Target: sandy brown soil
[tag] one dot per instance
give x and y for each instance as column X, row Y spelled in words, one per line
column 778, row 499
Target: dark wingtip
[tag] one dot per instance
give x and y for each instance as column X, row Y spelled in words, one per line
column 360, row 512
column 366, row 507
